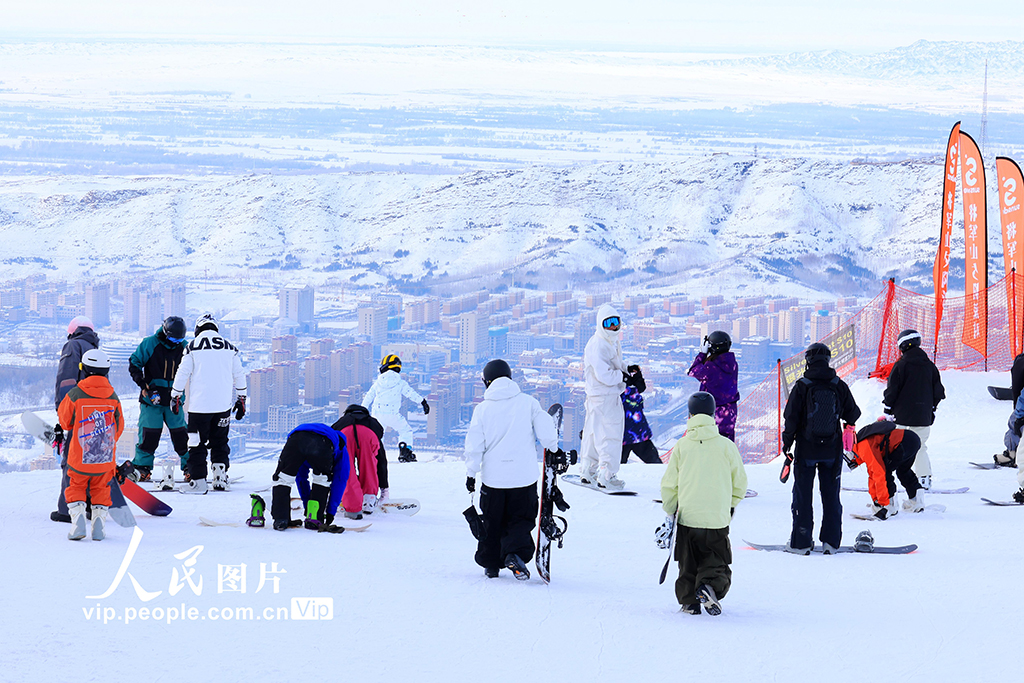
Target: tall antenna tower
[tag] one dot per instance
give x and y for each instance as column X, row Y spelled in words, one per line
column 984, row 113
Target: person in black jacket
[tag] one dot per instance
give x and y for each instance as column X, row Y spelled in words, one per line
column 817, row 404
column 912, row 395
column 1008, row 458
column 81, row 338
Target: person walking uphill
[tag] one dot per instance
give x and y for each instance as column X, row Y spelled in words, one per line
column 152, row 367
column 718, row 374
column 817, row 403
column 912, row 394
column 501, row 445
column 603, row 427
column 81, row 338
column 212, row 368
column 702, row 486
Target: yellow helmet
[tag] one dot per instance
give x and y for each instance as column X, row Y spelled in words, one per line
column 390, row 362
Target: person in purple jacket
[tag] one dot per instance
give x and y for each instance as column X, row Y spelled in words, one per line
column 637, row 436
column 716, row 370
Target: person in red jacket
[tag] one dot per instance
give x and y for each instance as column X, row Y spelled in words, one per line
column 361, row 491
column 91, row 416
column 888, row 450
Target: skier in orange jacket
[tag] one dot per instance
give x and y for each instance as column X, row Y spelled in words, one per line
column 887, row 450
column 91, row 416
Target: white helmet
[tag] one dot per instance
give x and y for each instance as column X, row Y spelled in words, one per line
column 206, row 320
column 95, row 362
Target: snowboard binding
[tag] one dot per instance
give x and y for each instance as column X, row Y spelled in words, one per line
column 256, row 518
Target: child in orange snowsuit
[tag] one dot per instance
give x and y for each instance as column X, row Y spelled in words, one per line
column 91, row 416
column 888, row 450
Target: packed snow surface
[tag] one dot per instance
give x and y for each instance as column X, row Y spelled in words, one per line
column 410, row 604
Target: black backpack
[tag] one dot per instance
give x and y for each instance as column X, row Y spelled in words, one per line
column 821, row 420
column 356, row 414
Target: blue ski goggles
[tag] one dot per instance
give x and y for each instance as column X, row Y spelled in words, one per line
column 175, row 340
column 609, row 323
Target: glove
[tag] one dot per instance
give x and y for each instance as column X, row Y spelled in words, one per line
column 239, row 408
column 787, row 465
column 471, row 484
column 632, row 369
column 849, row 437
column 426, row 407
column 58, row 436
column 705, row 345
column 663, row 534
column 850, row 462
column 152, row 395
column 176, row 404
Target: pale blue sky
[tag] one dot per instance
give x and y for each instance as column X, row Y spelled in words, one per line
column 740, row 25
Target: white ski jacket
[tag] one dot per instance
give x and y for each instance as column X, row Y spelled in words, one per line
column 385, row 396
column 502, row 439
column 602, row 359
column 214, row 367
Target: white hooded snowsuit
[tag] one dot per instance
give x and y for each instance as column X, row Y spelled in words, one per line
column 384, row 399
column 605, row 420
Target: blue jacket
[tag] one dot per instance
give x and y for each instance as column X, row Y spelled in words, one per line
column 339, row 476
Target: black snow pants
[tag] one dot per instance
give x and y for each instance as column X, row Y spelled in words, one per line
column 509, row 517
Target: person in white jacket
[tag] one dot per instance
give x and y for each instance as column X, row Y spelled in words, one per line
column 211, row 368
column 384, row 399
column 501, row 445
column 604, row 376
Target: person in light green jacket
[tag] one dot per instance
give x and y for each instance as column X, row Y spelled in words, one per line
column 704, row 482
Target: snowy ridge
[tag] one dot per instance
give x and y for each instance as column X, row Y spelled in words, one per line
column 799, row 224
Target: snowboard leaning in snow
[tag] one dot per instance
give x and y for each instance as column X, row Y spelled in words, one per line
column 575, row 479
column 962, row 489
column 1003, row 503
column 400, row 506
column 118, row 510
column 550, row 527
column 878, row 549
column 1001, row 393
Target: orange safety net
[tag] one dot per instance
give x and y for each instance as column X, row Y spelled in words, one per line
column 877, row 326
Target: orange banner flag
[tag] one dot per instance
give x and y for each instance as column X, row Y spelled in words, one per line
column 972, row 184
column 940, row 271
column 1011, row 216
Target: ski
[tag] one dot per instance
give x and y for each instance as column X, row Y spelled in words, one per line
column 551, row 527
column 400, row 506
column 1002, row 503
column 962, row 489
column 575, row 480
column 1001, row 393
column 878, row 550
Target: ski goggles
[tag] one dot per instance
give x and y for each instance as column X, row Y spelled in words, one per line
column 175, row 340
column 609, row 323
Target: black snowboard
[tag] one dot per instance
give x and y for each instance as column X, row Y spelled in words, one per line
column 1001, row 393
column 878, row 549
column 551, row 526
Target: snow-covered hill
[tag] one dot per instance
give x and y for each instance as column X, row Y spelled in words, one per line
column 711, row 224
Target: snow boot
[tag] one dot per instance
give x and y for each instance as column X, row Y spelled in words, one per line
column 1018, row 497
column 926, row 481
column 865, row 542
column 77, row 512
column 915, row 504
column 588, row 475
column 57, row 516
column 194, row 486
column 608, row 480
column 405, row 453
column 99, row 522
column 828, row 549
column 1007, row 458
column 256, row 518
column 369, row 503
column 518, row 568
column 491, row 572
column 281, row 524
column 707, row 597
column 798, row 551
column 691, row 609
column 220, row 477
column 385, row 496
column 353, row 515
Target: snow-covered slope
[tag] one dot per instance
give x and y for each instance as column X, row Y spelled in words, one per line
column 718, row 223
column 410, row 604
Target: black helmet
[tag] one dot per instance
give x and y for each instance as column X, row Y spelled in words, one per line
column 815, row 350
column 718, row 342
column 495, row 369
column 908, row 339
column 174, row 328
column 701, row 403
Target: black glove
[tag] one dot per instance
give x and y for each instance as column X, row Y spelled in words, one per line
column 239, row 408
column 426, row 407
column 58, row 436
column 632, row 369
column 176, row 404
column 471, row 484
column 883, row 513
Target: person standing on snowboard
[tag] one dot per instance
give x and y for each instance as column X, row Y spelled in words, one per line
column 716, row 370
column 702, row 485
column 605, row 376
column 384, row 399
column 912, row 395
column 817, row 403
column 501, row 445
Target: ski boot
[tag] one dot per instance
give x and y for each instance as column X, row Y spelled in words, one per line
column 77, row 512
column 195, row 486
column 707, row 597
column 1007, row 458
column 220, row 477
column 256, row 518
column 99, row 522
column 865, row 542
column 405, row 453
